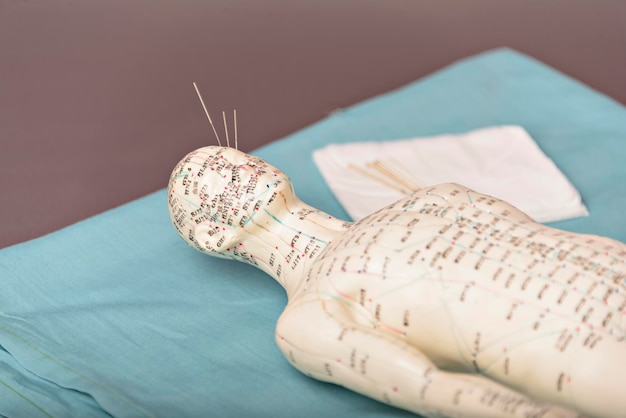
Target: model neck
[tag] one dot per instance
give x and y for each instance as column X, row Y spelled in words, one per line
column 285, row 242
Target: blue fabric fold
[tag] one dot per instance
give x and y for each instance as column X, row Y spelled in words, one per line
column 116, row 316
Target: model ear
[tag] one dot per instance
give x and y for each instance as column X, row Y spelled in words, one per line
column 214, row 238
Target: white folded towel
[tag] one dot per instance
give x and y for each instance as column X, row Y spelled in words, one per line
column 501, row 161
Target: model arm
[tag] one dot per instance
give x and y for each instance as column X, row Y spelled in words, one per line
column 322, row 341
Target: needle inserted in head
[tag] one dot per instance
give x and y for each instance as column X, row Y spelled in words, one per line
column 225, row 129
column 235, row 123
column 207, row 113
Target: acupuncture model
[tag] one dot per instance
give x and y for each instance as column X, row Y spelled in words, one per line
column 446, row 303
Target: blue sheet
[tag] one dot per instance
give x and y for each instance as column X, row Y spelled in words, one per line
column 116, row 316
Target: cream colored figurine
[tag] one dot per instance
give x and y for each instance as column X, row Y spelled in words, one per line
column 447, row 303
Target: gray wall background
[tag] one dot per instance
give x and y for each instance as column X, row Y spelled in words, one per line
column 97, row 105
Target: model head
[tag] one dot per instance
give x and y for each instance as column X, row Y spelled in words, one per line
column 218, row 195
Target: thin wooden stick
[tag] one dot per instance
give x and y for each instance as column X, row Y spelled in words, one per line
column 378, row 179
column 397, row 173
column 394, row 175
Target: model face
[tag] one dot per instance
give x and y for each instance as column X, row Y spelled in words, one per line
column 214, row 192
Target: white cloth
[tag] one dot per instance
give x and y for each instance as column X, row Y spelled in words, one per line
column 501, row 161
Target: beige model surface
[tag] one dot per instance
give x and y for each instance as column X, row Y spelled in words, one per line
column 447, row 303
